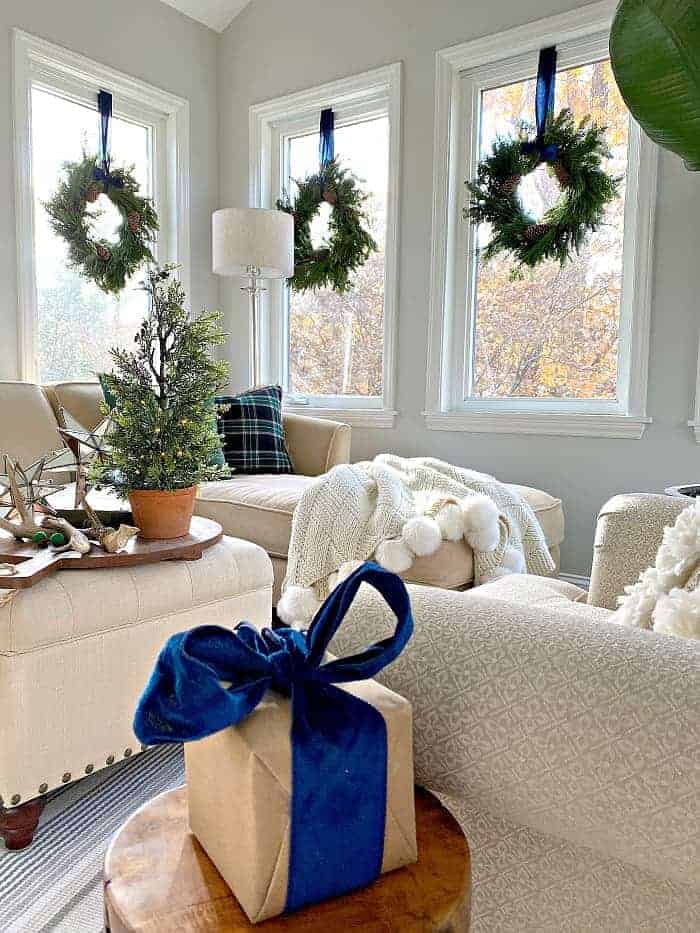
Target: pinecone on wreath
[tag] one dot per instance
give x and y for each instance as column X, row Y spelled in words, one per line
column 103, row 252
column 134, row 221
column 562, row 175
column 509, row 185
column 92, row 194
column 535, row 232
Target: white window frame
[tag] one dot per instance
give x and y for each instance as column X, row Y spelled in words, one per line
column 694, row 423
column 462, row 72
column 373, row 93
column 37, row 62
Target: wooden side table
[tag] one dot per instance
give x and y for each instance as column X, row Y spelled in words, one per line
column 159, row 879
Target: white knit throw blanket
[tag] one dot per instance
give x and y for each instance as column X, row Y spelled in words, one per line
column 392, row 510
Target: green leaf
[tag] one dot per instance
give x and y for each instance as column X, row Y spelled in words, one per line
column 655, row 55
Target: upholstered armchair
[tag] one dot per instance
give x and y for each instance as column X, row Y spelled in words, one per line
column 566, row 744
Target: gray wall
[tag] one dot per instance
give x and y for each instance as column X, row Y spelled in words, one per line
column 277, row 46
column 147, row 40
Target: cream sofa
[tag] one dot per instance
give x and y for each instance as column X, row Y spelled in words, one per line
column 568, row 746
column 256, row 508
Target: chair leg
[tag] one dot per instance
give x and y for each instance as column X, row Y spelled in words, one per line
column 18, row 825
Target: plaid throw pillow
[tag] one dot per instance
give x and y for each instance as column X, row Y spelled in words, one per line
column 253, row 436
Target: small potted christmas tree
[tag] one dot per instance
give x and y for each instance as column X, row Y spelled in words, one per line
column 164, row 437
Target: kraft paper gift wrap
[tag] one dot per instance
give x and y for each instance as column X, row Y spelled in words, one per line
column 299, row 767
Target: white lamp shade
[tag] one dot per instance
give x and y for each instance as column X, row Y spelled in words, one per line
column 251, row 236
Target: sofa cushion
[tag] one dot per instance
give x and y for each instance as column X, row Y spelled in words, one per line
column 256, row 507
column 28, row 428
column 548, row 510
column 532, row 590
column 81, row 399
column 450, row 568
column 260, row 509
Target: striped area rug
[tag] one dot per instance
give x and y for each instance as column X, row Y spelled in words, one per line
column 55, row 885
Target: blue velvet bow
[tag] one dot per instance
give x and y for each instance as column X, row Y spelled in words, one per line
column 544, row 105
column 339, row 744
column 103, row 175
column 326, row 146
column 104, row 106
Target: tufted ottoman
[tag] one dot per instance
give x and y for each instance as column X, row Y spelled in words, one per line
column 76, row 650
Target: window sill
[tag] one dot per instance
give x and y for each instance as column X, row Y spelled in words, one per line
column 356, row 417
column 568, row 424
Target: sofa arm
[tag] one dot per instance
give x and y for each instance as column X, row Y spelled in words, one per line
column 628, row 534
column 551, row 717
column 316, row 444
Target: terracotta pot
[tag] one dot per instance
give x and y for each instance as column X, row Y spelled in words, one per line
column 162, row 513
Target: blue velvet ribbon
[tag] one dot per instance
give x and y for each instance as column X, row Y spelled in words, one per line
column 544, row 105
column 339, row 742
column 326, row 146
column 104, row 105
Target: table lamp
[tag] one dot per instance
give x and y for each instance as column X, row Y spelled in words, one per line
column 258, row 244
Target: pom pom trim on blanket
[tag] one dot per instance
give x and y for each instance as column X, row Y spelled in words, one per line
column 477, row 519
column 657, row 601
column 394, row 510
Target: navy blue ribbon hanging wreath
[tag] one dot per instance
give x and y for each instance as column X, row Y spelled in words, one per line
column 104, row 105
column 544, row 105
column 339, row 742
column 326, row 145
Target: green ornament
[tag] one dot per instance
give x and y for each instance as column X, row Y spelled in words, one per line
column 655, row 55
column 39, row 537
column 57, row 539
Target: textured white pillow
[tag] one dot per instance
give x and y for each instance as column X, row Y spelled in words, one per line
column 666, row 598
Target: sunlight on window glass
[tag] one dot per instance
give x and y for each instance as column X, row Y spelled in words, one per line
column 553, row 334
column 336, row 342
column 77, row 323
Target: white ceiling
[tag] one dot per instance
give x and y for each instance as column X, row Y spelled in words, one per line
column 216, row 14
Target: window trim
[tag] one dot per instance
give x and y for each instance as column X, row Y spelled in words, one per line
column 581, row 29
column 694, row 422
column 352, row 95
column 36, row 60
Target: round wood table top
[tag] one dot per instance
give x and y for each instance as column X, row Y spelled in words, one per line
column 159, row 879
column 32, row 564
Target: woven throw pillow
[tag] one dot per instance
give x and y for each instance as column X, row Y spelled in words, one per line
column 253, row 436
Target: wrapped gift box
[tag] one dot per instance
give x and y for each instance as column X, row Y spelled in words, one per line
column 300, row 767
column 239, row 790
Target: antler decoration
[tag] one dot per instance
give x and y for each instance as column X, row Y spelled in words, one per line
column 111, row 539
column 26, row 527
column 27, row 489
column 14, row 481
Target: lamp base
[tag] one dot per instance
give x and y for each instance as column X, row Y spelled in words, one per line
column 254, row 290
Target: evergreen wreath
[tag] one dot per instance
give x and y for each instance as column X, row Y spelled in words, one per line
column 109, row 265
column 573, row 154
column 350, row 242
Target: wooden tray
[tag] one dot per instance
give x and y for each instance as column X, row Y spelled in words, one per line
column 33, row 564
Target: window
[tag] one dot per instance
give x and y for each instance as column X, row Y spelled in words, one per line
column 334, row 352
column 68, row 325
column 559, row 350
